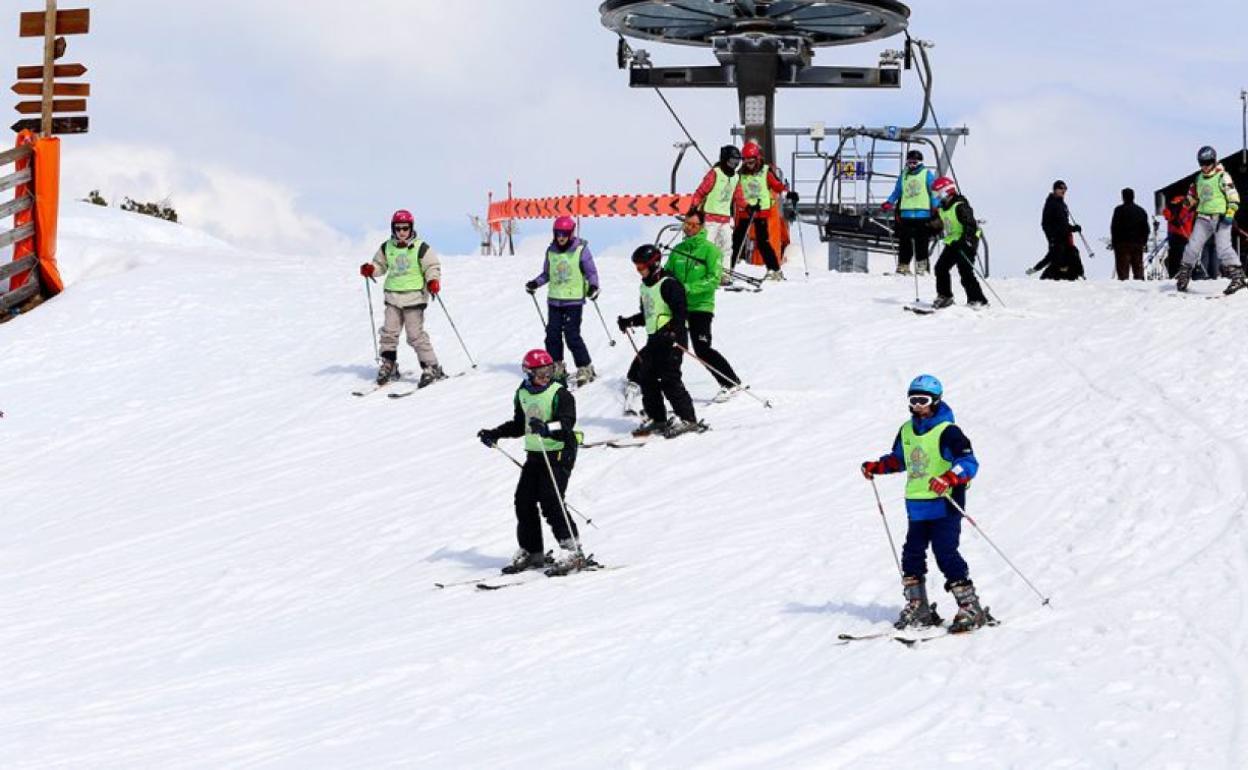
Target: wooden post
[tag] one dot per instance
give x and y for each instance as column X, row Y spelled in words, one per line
column 49, row 57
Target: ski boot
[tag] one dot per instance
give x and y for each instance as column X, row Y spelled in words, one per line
column 678, row 427
column 725, row 393
column 650, row 427
column 561, row 374
column 941, row 302
column 388, row 371
column 917, row 612
column 430, row 375
column 632, row 394
column 585, row 375
column 977, row 303
column 1236, row 274
column 1183, row 278
column 523, row 560
column 970, row 615
column 570, row 559
column 903, row 268
column 922, row 268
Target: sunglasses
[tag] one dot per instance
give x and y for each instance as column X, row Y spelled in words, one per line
column 402, row 228
column 921, row 399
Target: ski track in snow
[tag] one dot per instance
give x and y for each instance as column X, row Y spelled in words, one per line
column 216, row 556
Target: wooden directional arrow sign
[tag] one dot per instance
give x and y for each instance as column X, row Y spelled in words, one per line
column 58, row 105
column 59, row 89
column 75, row 125
column 70, row 22
column 59, row 71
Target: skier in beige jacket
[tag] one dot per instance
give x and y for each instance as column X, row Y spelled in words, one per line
column 413, row 277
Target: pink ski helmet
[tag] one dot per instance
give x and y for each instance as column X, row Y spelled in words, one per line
column 566, row 225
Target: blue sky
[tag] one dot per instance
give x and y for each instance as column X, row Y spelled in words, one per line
column 299, row 126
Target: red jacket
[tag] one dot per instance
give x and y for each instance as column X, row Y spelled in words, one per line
column 704, row 189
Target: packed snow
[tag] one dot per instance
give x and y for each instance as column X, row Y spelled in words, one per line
column 215, row 556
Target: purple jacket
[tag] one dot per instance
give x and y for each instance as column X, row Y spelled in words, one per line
column 587, row 269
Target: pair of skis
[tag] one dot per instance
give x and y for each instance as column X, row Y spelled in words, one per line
column 400, row 393
column 914, row 641
column 492, row 583
column 636, row 439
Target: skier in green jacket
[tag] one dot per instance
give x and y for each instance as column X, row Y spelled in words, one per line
column 699, row 265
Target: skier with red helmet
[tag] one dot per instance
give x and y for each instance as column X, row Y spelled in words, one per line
column 413, row 277
column 544, row 414
column 571, row 277
column 664, row 313
column 759, row 187
column 961, row 236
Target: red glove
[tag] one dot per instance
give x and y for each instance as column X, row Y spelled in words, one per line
column 944, row 482
column 367, row 269
column 871, row 468
column 434, row 287
column 888, row 206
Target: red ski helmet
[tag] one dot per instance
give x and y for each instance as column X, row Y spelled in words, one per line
column 752, row 151
column 536, row 359
column 403, row 217
column 944, row 187
column 566, row 225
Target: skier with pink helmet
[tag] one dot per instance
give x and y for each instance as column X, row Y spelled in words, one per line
column 569, row 273
column 544, row 413
column 413, row 277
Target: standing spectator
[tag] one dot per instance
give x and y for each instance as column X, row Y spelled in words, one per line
column 717, row 197
column 572, row 277
column 1128, row 236
column 1216, row 201
column 916, row 205
column 1061, row 262
column 1179, row 221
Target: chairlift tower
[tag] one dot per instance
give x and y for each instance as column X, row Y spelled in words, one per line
column 761, row 45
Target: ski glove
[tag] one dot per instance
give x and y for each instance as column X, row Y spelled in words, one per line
column 1076, row 229
column 623, row 323
column 488, row 437
column 367, row 269
column 1032, row 271
column 752, row 209
column 531, row 287
column 435, row 286
column 888, row 206
column 872, row 468
column 539, row 426
column 593, row 293
column 944, row 482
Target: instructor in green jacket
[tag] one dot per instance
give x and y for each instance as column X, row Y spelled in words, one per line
column 698, row 264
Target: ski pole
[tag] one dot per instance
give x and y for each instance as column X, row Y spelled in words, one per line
column 713, row 370
column 452, row 320
column 736, row 257
column 755, row 282
column 604, row 322
column 982, row 277
column 1044, row 600
column 518, row 464
column 892, row 546
column 629, row 333
column 1085, row 240
column 538, row 308
column 372, row 319
column 567, row 521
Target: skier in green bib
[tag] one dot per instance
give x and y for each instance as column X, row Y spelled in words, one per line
column 939, row 463
column 1216, row 201
column 570, row 278
column 961, row 238
column 545, row 415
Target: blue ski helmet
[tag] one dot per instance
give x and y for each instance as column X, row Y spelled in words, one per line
column 926, row 383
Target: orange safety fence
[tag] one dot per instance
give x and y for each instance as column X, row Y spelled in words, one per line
column 587, row 206
column 47, row 194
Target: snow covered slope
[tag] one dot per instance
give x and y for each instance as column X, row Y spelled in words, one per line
column 214, row 556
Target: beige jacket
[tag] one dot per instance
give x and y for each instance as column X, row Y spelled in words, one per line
column 429, row 264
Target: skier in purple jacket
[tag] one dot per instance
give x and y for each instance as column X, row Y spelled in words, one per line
column 571, row 277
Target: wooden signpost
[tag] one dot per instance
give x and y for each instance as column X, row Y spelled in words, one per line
column 43, row 80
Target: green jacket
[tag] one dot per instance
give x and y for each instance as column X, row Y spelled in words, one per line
column 698, row 264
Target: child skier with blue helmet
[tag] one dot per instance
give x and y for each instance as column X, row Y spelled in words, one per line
column 939, row 464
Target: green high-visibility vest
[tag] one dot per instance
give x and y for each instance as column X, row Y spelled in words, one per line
column 915, row 196
column 1211, row 196
column 655, row 308
column 754, row 188
column 542, row 406
column 403, row 271
column 953, row 228
column 923, row 459
column 566, row 279
column 720, row 200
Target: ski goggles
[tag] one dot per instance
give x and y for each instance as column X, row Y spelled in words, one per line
column 921, row 399
column 401, row 228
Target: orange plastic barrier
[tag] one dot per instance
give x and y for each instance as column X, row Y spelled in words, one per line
column 23, row 248
column 47, row 193
column 588, row 206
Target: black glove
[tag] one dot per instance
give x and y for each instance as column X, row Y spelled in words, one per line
column 593, row 292
column 752, row 209
column 488, row 437
column 793, row 197
column 539, row 426
column 531, row 287
column 623, row 323
column 1076, row 229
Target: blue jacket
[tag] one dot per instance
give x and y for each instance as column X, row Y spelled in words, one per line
column 954, row 447
column 895, row 198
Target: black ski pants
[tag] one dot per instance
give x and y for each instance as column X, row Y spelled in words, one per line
column 942, row 535
column 533, row 492
column 1174, row 259
column 564, row 322
column 659, row 376
column 955, row 255
column 700, row 332
column 762, row 238
column 913, row 236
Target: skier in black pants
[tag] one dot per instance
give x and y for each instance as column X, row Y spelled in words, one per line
column 545, row 415
column 961, row 239
column 664, row 313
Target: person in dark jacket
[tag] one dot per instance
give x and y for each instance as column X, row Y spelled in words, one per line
column 1179, row 220
column 939, row 463
column 665, row 314
column 961, row 239
column 1128, row 236
column 544, row 413
column 1061, row 262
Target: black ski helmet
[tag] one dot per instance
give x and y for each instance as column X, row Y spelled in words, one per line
column 914, row 155
column 648, row 255
column 1207, row 156
column 729, row 152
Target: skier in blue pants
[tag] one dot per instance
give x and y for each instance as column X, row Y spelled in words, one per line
column 939, row 464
